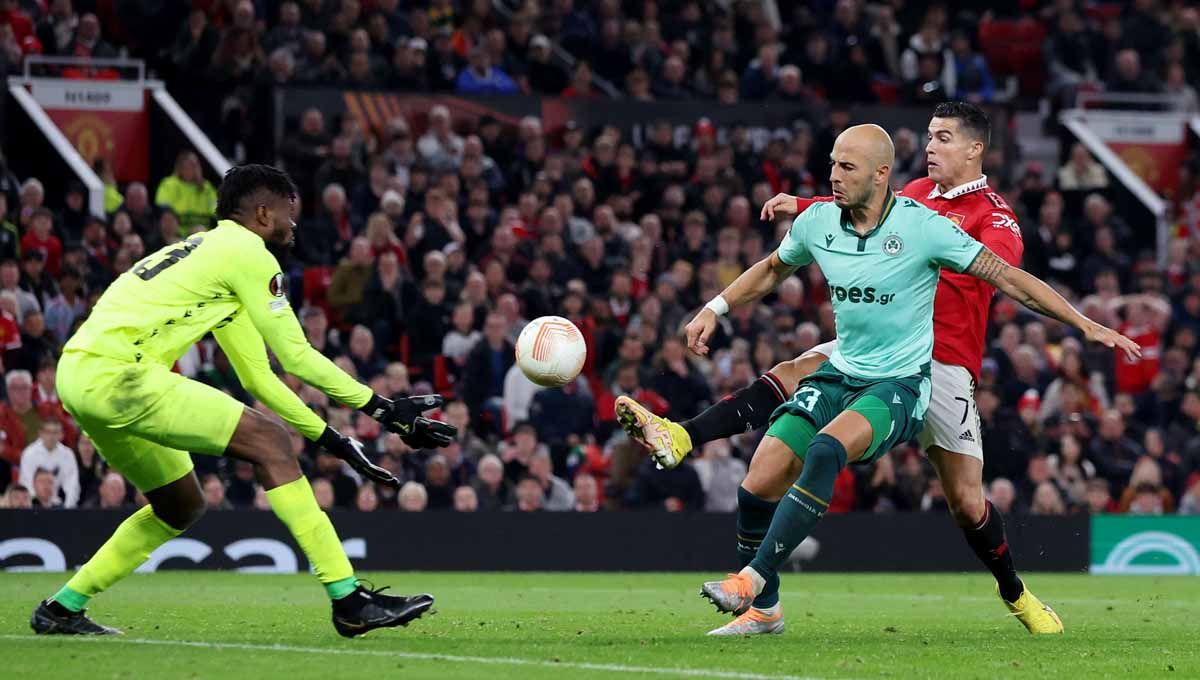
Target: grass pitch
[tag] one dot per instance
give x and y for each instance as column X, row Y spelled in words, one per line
column 229, row 625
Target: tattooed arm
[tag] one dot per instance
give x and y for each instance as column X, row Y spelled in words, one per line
column 1041, row 298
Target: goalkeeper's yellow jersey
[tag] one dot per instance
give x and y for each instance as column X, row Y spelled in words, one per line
column 225, row 281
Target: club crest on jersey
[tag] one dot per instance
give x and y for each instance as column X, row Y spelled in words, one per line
column 892, row 245
column 956, row 218
column 276, row 285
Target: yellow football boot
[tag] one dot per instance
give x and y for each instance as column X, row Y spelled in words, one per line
column 1037, row 617
column 668, row 442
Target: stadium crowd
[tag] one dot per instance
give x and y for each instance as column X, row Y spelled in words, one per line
column 422, row 251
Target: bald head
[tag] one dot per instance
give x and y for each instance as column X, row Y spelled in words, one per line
column 861, row 166
column 872, row 142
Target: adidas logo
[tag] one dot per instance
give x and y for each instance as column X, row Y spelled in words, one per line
column 779, row 547
column 896, row 398
column 966, row 436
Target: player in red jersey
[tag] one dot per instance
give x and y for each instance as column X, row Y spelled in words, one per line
column 956, row 187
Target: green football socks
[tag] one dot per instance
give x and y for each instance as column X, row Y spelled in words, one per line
column 295, row 505
column 800, row 509
column 123, row 552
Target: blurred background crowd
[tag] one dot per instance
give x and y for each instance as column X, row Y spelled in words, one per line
column 422, row 251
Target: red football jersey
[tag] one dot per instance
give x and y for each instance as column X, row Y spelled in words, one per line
column 960, row 309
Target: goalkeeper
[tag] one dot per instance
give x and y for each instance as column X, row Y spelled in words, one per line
column 115, row 378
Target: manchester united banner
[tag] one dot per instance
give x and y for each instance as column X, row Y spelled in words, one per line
column 1153, row 145
column 101, row 120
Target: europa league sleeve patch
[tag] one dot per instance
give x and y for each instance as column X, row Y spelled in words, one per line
column 276, row 285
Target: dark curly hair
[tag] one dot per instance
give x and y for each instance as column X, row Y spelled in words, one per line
column 243, row 182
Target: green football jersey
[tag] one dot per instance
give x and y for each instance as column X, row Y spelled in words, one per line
column 882, row 284
column 225, row 281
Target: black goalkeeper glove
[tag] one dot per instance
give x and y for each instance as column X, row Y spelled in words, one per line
column 403, row 416
column 351, row 451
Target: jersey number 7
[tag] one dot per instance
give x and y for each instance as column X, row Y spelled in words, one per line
column 146, row 272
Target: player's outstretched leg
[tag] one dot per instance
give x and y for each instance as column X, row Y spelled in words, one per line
column 772, row 471
column 172, row 508
column 356, row 609
column 747, row 409
column 846, row 438
column 983, row 527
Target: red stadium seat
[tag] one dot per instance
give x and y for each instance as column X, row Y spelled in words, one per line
column 1015, row 48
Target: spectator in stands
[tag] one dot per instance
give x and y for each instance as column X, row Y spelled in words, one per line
column 1129, row 76
column 1176, row 85
column 1145, row 494
column 340, row 167
column 491, row 487
column 91, row 471
column 34, row 277
column 137, row 207
column 545, row 76
column 366, row 500
column 1099, row 498
column 33, row 196
column 41, row 239
column 1047, row 500
column 720, row 476
column 529, row 496
column 192, row 197
column 364, row 354
column 759, row 80
column 679, row 381
column 48, row 454
column 674, row 490
column 327, row 240
column 438, row 486
column 214, row 493
column 304, row 151
column 930, row 42
column 482, row 77
column 413, row 497
column 562, row 416
column 20, row 420
column 45, row 490
column 323, row 492
column 36, row 344
column 440, row 146
column 1189, row 504
column 330, row 469
column 587, row 493
column 1113, row 453
column 473, row 448
column 486, row 367
column 581, row 86
column 972, row 77
column 1081, row 172
column 1003, row 495
column 88, row 41
column 16, row 498
column 557, row 494
column 465, row 499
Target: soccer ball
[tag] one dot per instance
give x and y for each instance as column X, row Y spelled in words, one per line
column 551, row 351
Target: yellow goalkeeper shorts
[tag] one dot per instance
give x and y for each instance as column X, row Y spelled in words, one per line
column 143, row 418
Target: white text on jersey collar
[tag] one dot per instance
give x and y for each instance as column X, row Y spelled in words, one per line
column 973, row 185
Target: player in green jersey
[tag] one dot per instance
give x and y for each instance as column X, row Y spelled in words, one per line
column 115, row 378
column 881, row 255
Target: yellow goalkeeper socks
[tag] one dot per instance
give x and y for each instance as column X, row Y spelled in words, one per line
column 294, row 504
column 128, row 547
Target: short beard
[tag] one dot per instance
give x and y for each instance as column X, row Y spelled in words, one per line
column 282, row 253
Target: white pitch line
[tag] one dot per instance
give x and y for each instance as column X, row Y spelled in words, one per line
column 453, row 658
